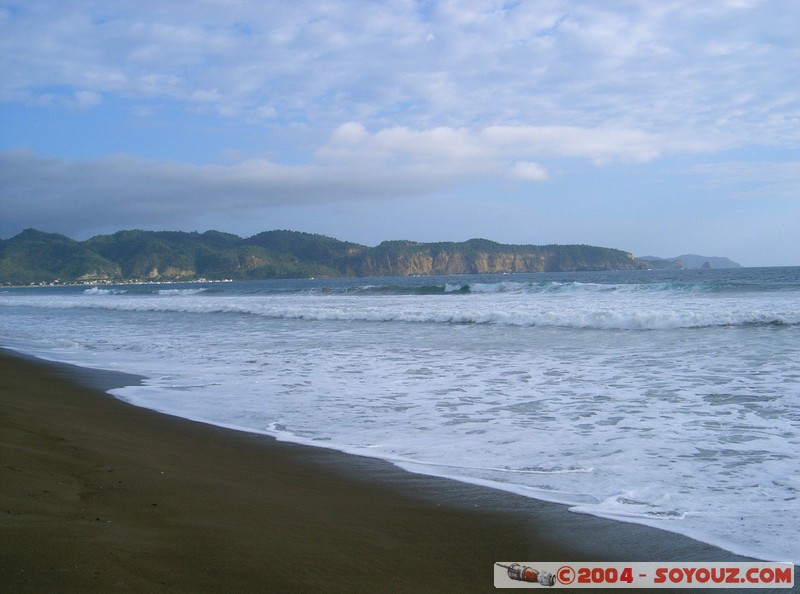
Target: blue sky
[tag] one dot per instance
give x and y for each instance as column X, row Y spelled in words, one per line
column 657, row 127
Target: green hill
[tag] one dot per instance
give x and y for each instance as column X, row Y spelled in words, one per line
column 37, row 257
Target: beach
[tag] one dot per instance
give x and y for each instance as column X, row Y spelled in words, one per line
column 98, row 495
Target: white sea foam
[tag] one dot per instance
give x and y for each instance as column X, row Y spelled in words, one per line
column 674, row 408
column 178, row 292
column 99, row 291
column 584, row 311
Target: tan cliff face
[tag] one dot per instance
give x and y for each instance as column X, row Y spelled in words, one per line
column 251, row 261
column 425, row 263
column 170, row 272
column 508, row 263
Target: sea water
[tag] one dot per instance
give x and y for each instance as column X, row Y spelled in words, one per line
column 666, row 398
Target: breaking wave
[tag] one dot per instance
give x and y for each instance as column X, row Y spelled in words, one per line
column 584, row 314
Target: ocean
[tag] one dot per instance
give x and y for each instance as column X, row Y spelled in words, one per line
column 665, row 398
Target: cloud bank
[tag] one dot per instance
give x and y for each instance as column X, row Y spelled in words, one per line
column 354, row 164
column 713, row 68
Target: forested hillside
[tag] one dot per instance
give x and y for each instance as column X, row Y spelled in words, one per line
column 37, row 257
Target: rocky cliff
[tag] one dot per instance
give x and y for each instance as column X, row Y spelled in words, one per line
column 480, row 256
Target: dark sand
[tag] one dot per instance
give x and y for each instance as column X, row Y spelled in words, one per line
column 100, row 496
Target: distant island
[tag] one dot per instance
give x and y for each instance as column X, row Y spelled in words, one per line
column 35, row 257
column 691, row 261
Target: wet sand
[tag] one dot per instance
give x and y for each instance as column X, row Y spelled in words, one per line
column 100, row 496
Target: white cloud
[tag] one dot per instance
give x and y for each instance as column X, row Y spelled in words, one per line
column 352, row 142
column 645, row 66
column 528, row 170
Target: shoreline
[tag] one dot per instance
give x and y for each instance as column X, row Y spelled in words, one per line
column 98, row 494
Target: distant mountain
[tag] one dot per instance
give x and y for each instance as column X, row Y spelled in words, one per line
column 695, row 261
column 33, row 256
column 690, row 261
column 37, row 257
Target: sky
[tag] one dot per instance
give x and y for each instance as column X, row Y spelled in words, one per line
column 657, row 127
